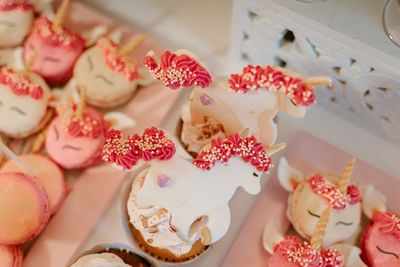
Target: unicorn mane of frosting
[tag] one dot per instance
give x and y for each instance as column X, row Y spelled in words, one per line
column 299, row 252
column 64, row 37
column 330, row 192
column 19, row 84
column 177, row 71
column 115, row 61
column 254, row 78
column 9, row 5
column 388, row 223
column 222, row 150
column 126, row 152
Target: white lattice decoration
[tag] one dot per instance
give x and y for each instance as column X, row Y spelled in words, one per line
column 365, row 89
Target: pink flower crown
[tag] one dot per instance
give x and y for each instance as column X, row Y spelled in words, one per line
column 9, row 5
column 126, row 152
column 300, row 253
column 116, row 62
column 330, row 192
column 177, row 71
column 388, row 223
column 87, row 125
column 256, row 77
column 65, row 37
column 222, row 150
column 19, row 84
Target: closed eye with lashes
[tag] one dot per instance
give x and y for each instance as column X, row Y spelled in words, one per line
column 313, row 214
column 387, row 252
column 7, row 23
column 51, row 59
column 344, row 223
column 18, row 110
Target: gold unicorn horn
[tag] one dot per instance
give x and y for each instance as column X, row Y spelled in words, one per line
column 317, row 81
column 134, row 43
column 318, row 236
column 31, row 60
column 274, row 149
column 82, row 101
column 60, row 15
column 346, row 176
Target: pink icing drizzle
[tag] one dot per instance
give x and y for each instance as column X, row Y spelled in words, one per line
column 388, row 223
column 9, row 5
column 20, row 84
column 177, row 71
column 222, row 150
column 331, row 193
column 256, row 77
column 116, row 62
column 126, row 152
column 302, row 254
column 65, row 37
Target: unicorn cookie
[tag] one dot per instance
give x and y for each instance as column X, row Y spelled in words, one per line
column 247, row 100
column 311, row 195
column 15, row 21
column 108, row 74
column 24, row 100
column 169, row 215
column 58, row 47
column 380, row 241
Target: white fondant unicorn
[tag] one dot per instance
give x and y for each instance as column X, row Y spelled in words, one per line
column 189, row 197
column 248, row 100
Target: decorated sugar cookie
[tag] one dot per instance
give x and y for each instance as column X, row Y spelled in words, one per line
column 169, row 213
column 311, row 195
column 58, row 46
column 24, row 100
column 250, row 99
column 16, row 18
column 108, row 73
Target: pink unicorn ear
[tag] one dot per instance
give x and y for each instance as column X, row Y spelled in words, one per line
column 179, row 69
column 127, row 152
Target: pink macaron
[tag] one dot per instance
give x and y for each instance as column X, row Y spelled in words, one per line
column 57, row 51
column 11, row 256
column 24, row 208
column 48, row 174
column 74, row 142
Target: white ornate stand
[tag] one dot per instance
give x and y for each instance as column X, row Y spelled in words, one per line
column 340, row 38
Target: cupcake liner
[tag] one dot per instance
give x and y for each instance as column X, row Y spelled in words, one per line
column 134, row 236
column 124, row 251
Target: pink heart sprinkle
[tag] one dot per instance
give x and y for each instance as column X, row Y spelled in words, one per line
column 206, row 100
column 163, row 180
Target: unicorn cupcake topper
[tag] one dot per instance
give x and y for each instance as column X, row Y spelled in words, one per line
column 167, row 206
column 250, row 99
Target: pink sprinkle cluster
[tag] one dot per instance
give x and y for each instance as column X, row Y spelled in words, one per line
column 388, row 223
column 222, row 150
column 177, row 71
column 86, row 125
column 65, row 37
column 9, row 5
column 331, row 193
column 256, row 77
column 116, row 62
column 20, row 84
column 126, row 152
column 299, row 252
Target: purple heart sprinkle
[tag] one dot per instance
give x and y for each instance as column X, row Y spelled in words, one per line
column 206, row 100
column 163, row 180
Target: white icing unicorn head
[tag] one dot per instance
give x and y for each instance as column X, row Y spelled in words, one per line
column 191, row 196
column 311, row 195
column 247, row 100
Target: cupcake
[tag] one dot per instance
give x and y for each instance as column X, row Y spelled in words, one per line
column 310, row 196
column 168, row 219
column 108, row 74
column 47, row 173
column 24, row 101
column 249, row 100
column 16, row 19
column 24, row 208
column 112, row 255
column 11, row 256
column 57, row 47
